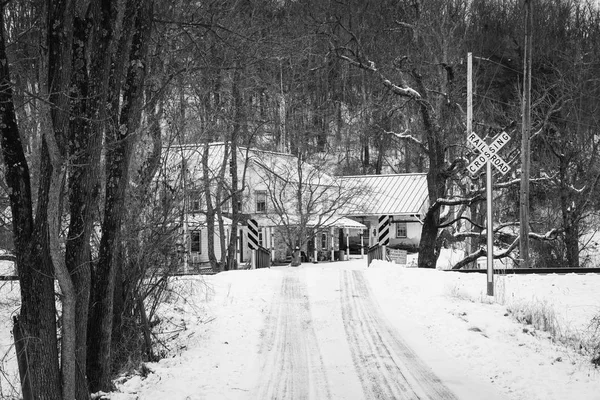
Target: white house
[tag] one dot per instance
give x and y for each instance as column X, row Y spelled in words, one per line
column 271, row 183
column 337, row 210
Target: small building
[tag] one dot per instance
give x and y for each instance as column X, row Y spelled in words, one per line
column 404, row 197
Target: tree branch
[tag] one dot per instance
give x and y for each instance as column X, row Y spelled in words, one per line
column 404, row 90
column 482, row 252
column 408, row 138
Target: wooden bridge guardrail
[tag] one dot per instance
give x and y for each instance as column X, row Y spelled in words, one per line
column 375, row 252
column 263, row 257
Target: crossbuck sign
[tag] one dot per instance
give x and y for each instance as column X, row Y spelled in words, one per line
column 488, row 153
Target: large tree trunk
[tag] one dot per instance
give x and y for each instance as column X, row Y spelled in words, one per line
column 429, row 250
column 90, row 84
column 82, row 195
column 36, row 324
column 121, row 136
column 55, row 125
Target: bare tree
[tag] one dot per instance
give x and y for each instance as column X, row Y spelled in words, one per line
column 303, row 199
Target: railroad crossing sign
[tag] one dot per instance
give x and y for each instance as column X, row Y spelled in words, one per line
column 488, row 153
column 252, row 234
column 383, row 230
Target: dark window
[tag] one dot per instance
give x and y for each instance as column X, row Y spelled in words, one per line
column 195, row 201
column 400, row 229
column 261, row 201
column 195, row 242
column 323, row 240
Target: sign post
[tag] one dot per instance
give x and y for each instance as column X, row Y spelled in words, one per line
column 488, row 156
column 383, row 233
column 253, row 240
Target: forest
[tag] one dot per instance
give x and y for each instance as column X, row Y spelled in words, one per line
column 94, row 91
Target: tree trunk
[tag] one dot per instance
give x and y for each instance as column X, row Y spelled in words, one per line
column 239, row 117
column 572, row 242
column 428, row 247
column 91, row 80
column 120, row 143
column 36, row 324
column 569, row 217
column 232, row 247
column 210, row 210
column 55, row 125
column 436, row 183
column 68, row 299
column 85, row 145
column 222, row 232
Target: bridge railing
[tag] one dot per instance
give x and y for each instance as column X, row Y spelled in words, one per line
column 263, row 257
column 375, row 252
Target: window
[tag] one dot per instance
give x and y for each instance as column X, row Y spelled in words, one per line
column 323, row 240
column 400, row 229
column 195, row 242
column 260, row 237
column 195, row 201
column 261, row 201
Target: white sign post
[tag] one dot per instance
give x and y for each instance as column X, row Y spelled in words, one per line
column 489, row 157
column 253, row 241
column 383, row 233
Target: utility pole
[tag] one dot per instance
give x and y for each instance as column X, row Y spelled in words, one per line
column 469, row 242
column 488, row 186
column 525, row 145
column 488, row 156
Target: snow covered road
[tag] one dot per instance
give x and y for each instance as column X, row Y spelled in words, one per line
column 312, row 332
column 343, row 331
column 292, row 364
column 386, row 366
column 376, row 357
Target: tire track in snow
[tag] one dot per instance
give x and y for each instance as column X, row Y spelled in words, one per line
column 386, row 366
column 292, row 367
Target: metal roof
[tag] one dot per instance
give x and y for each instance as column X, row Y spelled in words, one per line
column 282, row 165
column 397, row 194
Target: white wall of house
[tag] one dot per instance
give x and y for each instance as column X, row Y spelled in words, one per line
column 411, row 236
column 199, row 253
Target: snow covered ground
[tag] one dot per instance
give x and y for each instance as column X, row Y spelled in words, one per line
column 220, row 330
column 454, row 327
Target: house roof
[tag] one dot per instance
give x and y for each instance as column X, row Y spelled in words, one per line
column 393, row 194
column 397, row 194
column 348, row 223
column 282, row 165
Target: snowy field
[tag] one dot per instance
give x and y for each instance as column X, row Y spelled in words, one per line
column 213, row 329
